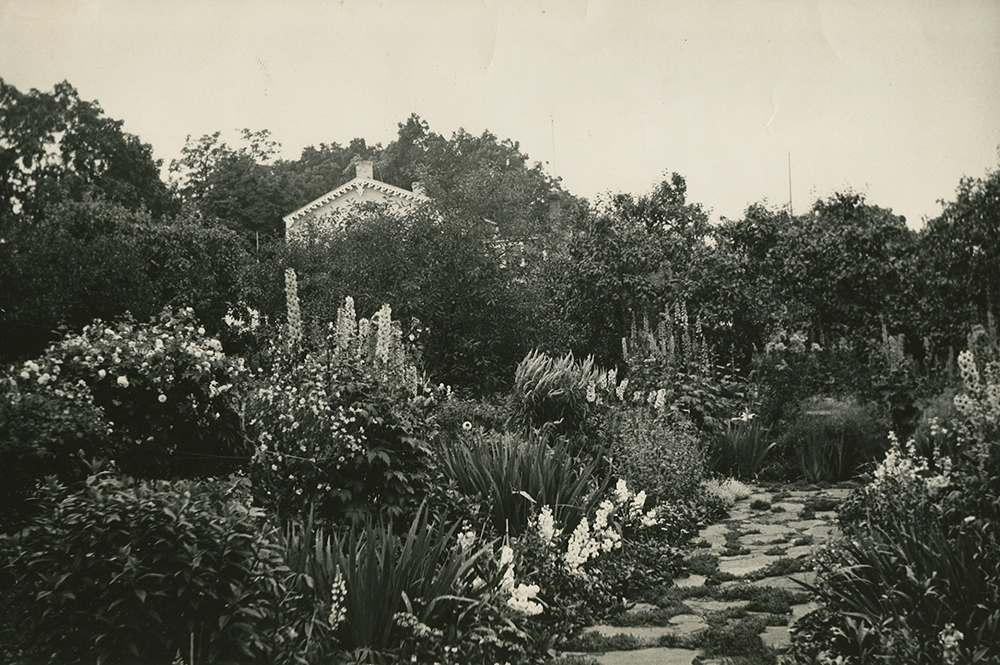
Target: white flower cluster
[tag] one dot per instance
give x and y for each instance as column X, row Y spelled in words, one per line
column 904, row 467
column 587, row 542
column 950, row 640
column 338, row 600
column 520, row 597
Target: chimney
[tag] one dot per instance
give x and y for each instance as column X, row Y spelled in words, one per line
column 418, row 188
column 365, row 169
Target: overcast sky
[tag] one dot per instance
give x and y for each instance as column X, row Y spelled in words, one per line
column 897, row 100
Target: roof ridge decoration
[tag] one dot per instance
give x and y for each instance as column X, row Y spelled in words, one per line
column 356, row 183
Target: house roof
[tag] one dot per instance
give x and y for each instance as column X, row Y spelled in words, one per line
column 359, row 184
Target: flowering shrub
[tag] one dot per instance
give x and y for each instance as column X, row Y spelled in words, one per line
column 623, row 549
column 124, row 571
column 919, row 575
column 165, row 388
column 343, row 428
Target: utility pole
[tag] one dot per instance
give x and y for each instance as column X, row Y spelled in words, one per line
column 791, row 210
column 553, row 120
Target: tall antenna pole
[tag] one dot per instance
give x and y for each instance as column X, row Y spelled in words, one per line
column 791, row 210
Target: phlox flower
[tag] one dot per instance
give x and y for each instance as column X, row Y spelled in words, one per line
column 622, row 492
column 546, row 525
column 523, row 599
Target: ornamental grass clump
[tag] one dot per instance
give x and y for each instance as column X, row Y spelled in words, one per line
column 558, row 393
column 427, row 594
column 511, row 474
column 835, row 439
column 742, row 448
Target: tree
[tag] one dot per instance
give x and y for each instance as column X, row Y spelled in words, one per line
column 95, row 259
column 56, row 147
column 237, row 186
column 635, row 256
column 957, row 270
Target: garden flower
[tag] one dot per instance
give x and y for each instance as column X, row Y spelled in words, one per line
column 25, row 375
column 507, row 559
column 123, row 381
column 951, row 648
column 162, row 399
column 546, row 525
column 523, row 599
column 591, row 392
column 467, row 426
column 101, row 373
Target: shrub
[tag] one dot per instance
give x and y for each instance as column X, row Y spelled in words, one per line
column 664, row 458
column 511, row 473
column 833, row 439
column 165, row 388
column 44, row 430
column 557, row 392
column 126, row 571
column 343, row 429
column 742, row 448
column 919, row 576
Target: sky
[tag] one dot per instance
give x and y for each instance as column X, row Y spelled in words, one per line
column 896, row 99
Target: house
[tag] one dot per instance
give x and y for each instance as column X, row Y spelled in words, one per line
column 363, row 189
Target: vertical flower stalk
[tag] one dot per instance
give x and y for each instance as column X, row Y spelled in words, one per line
column 347, row 325
column 294, row 328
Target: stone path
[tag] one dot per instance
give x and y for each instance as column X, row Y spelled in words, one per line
column 742, row 584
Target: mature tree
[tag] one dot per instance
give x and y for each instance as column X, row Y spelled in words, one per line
column 957, row 271
column 56, row 147
column 237, row 185
column 635, row 256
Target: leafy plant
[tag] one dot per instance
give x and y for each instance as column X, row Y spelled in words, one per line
column 552, row 392
column 742, row 448
column 126, row 571
column 511, row 474
column 44, row 430
column 664, row 458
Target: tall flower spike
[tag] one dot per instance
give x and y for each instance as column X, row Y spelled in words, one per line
column 294, row 315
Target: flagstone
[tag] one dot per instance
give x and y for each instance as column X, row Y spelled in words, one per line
column 799, row 552
column 689, row 581
column 654, row 656
column 777, row 637
column 748, row 563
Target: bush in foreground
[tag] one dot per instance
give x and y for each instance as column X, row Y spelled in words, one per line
column 118, row 570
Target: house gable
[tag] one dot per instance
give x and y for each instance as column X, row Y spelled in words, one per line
column 363, row 189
